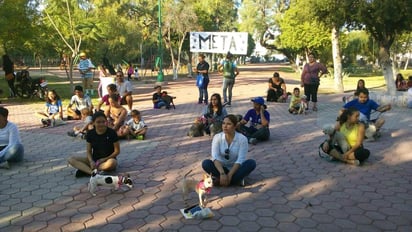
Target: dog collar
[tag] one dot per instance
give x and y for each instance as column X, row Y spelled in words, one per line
column 120, row 180
column 201, row 185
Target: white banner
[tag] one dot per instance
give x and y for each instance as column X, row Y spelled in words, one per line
column 219, row 42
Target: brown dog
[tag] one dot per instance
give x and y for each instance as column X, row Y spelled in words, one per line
column 202, row 187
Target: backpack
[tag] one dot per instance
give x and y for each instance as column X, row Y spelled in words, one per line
column 228, row 70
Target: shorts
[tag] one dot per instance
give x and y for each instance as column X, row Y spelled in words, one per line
column 87, row 82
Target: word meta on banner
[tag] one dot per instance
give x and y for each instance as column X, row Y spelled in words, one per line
column 219, row 42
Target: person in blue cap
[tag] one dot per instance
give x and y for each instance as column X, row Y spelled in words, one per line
column 255, row 124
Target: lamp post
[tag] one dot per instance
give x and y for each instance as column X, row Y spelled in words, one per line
column 159, row 62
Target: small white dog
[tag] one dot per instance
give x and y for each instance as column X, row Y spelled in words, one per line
column 202, row 187
column 303, row 105
column 114, row 182
column 336, row 137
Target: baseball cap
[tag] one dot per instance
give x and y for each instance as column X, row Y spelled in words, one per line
column 82, row 54
column 258, row 100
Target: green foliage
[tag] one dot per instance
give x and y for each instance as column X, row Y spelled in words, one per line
column 301, row 32
column 18, row 20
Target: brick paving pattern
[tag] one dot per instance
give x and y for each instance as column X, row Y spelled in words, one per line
column 292, row 189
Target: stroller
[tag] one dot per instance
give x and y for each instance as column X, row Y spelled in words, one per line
column 26, row 87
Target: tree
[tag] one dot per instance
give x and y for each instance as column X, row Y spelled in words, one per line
column 334, row 14
column 18, row 20
column 300, row 32
column 385, row 20
column 179, row 20
column 73, row 22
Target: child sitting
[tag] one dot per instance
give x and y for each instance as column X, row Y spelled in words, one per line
column 295, row 101
column 86, row 116
column 135, row 127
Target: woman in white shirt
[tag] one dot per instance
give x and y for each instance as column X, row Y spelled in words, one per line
column 229, row 165
column 11, row 149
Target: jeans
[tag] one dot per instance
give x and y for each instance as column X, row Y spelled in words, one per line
column 261, row 134
column 159, row 104
column 13, row 153
column 203, row 95
column 228, row 84
column 244, row 170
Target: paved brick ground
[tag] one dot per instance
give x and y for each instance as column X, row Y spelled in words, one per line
column 292, row 189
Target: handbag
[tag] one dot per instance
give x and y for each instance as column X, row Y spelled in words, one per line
column 9, row 76
column 200, row 81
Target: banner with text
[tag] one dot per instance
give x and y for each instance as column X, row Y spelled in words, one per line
column 219, row 42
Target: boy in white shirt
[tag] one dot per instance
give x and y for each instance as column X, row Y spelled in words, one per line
column 135, row 127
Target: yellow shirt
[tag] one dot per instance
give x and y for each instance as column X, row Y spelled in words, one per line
column 351, row 134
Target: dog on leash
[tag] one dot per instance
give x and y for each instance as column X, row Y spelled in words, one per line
column 303, row 105
column 202, row 187
column 114, row 182
column 336, row 137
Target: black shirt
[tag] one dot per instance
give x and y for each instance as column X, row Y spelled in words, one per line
column 102, row 145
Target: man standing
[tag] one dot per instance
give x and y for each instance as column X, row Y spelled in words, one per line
column 11, row 149
column 124, row 88
column 85, row 69
column 229, row 71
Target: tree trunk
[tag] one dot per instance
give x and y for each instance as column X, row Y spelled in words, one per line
column 337, row 61
column 386, row 64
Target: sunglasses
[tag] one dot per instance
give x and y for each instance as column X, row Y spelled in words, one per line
column 227, row 152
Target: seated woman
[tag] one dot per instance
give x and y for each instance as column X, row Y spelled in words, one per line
column 212, row 116
column 53, row 111
column 354, row 132
column 400, row 83
column 277, row 89
column 135, row 127
column 11, row 148
column 229, row 150
column 116, row 114
column 101, row 150
column 360, row 85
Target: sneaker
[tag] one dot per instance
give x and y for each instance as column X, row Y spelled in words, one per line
column 5, row 165
column 253, row 141
column 71, row 134
column 140, row 137
column 81, row 174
